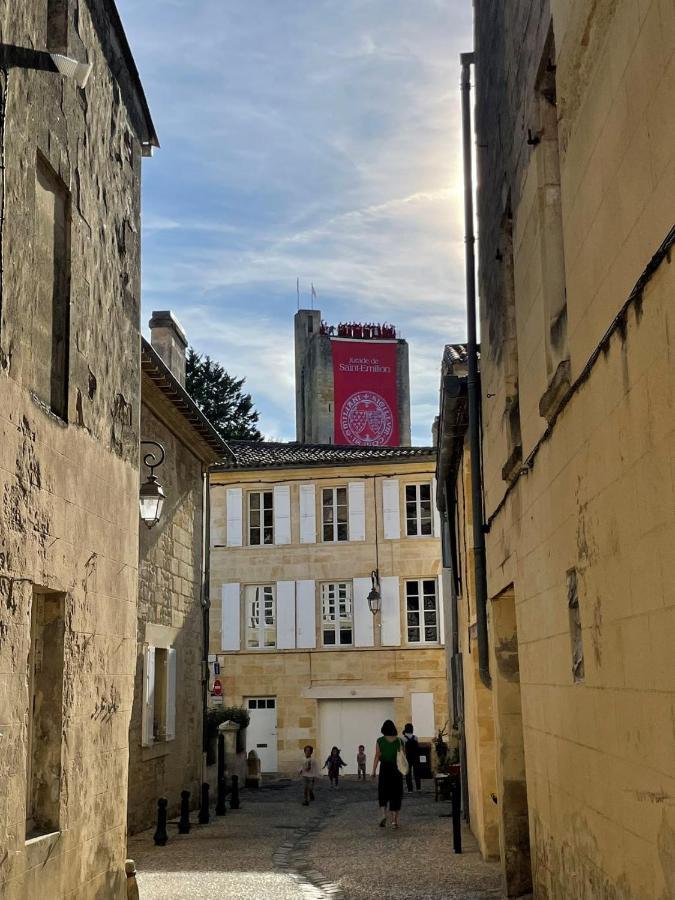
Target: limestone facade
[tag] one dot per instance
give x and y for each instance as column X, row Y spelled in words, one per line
column 311, row 673
column 575, row 211
column 69, row 430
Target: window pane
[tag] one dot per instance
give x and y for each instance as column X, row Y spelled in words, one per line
column 268, row 517
column 329, row 637
column 425, row 493
column 254, row 518
column 328, row 514
column 341, row 494
column 254, row 536
column 426, row 526
column 430, row 603
column 269, row 535
column 252, row 704
column 411, row 510
column 430, row 633
column 413, row 618
column 342, row 533
column 411, row 527
column 413, row 635
column 270, row 704
column 328, row 532
column 254, row 501
column 345, row 636
column 342, row 514
column 429, row 586
column 430, row 618
column 410, row 492
column 327, row 496
column 268, row 500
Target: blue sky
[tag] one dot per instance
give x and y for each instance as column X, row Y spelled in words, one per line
column 317, row 139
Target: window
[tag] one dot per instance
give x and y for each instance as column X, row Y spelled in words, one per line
column 334, row 514
column 50, row 321
column 336, row 613
column 159, row 695
column 261, row 616
column 262, row 703
column 45, row 720
column 418, row 509
column 261, row 517
column 421, row 611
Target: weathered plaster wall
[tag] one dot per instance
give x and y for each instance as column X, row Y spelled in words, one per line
column 599, row 496
column 169, row 594
column 69, row 509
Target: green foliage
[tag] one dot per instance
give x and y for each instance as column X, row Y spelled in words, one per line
column 218, row 714
column 221, row 398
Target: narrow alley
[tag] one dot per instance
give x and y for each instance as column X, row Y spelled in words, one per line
column 275, row 848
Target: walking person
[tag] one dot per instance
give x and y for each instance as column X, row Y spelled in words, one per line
column 412, row 754
column 334, row 763
column 390, row 782
column 309, row 770
column 361, row 762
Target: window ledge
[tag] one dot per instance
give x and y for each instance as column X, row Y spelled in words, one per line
column 555, row 392
column 159, row 748
column 39, row 848
column 513, row 464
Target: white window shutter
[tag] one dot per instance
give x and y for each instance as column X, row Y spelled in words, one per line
column 390, row 613
column 234, row 517
column 422, row 709
column 363, row 618
column 285, row 615
column 391, row 511
column 357, row 511
column 147, row 727
column 216, row 524
column 170, row 694
column 440, row 606
column 230, row 617
column 282, row 514
column 434, row 510
column 305, row 605
column 307, row 514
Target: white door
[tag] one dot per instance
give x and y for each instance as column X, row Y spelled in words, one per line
column 348, row 723
column 261, row 734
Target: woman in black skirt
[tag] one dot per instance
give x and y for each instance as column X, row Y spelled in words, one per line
column 390, row 784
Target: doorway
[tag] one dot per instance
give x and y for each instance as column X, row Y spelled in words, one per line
column 348, row 723
column 514, row 830
column 261, row 734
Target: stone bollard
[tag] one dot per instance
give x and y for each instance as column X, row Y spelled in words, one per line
column 234, row 794
column 132, row 884
column 229, row 730
column 221, row 809
column 161, row 837
column 184, row 822
column 204, row 808
column 253, row 776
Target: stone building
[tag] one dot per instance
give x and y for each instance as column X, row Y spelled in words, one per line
column 576, row 162
column 69, row 431
column 298, row 534
column 318, row 405
column 165, row 735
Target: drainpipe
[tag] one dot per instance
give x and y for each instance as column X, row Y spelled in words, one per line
column 206, row 605
column 473, row 383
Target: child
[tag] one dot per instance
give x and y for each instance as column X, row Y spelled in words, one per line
column 334, row 763
column 361, row 762
column 309, row 771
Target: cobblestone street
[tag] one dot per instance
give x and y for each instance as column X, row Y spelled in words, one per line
column 273, row 847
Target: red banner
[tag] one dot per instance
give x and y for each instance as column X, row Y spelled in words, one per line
column 365, row 395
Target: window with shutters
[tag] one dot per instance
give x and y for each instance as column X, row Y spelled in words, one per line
column 335, row 514
column 261, row 617
column 421, row 604
column 261, row 517
column 159, row 695
column 336, row 614
column 418, row 516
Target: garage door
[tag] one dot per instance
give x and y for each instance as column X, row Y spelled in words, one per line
column 348, row 723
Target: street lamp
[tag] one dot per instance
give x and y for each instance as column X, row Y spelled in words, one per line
column 375, row 597
column 152, row 496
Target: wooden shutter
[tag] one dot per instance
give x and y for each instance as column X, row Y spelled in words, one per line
column 230, row 617
column 147, row 726
column 217, row 523
column 307, row 514
column 285, row 615
column 390, row 613
column 234, row 517
column 305, row 605
column 170, row 694
column 434, row 509
column 440, row 610
column 357, row 511
column 422, row 709
column 391, row 512
column 282, row 514
column 363, row 618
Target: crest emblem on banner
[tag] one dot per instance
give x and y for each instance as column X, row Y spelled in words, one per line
column 366, row 419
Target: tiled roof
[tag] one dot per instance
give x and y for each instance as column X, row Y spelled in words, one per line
column 270, row 454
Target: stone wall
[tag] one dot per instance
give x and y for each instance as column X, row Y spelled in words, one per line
column 594, row 507
column 69, row 474
column 169, row 596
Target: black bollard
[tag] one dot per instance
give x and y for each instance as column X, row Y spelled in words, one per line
column 221, row 809
column 456, row 813
column 184, row 822
column 204, row 808
column 161, row 837
column 234, row 793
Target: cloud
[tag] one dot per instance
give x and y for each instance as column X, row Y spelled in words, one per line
column 318, row 140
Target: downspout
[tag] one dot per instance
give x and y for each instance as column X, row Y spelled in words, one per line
column 206, row 606
column 473, row 383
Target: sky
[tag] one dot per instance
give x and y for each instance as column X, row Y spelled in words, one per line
column 310, row 139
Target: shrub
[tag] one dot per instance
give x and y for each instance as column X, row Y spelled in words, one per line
column 218, row 714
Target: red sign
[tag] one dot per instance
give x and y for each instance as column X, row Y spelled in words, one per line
column 217, row 688
column 365, row 395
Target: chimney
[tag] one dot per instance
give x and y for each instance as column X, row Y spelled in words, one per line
column 169, row 341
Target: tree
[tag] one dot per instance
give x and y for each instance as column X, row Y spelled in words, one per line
column 220, row 398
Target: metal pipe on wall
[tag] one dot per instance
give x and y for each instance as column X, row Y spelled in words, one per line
column 473, row 382
column 206, row 606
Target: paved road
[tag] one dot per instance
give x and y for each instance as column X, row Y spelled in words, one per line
column 275, row 848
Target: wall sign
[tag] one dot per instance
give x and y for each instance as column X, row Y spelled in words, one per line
column 365, row 394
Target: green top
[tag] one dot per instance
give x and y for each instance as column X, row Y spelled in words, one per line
column 389, row 749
